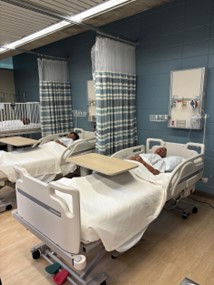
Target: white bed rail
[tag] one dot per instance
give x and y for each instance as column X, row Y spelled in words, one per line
column 19, row 111
column 129, row 152
column 82, row 134
column 78, row 147
column 186, row 174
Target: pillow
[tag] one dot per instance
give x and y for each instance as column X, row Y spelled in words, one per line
column 172, row 161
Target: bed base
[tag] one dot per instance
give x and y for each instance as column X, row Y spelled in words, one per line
column 5, row 206
column 182, row 205
column 51, row 252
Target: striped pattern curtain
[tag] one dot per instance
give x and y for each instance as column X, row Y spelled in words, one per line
column 115, row 111
column 55, row 107
column 115, row 86
column 55, row 96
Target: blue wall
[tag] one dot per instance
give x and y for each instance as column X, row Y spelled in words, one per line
column 179, row 35
column 6, row 63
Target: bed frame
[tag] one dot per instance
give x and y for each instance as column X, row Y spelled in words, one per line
column 12, row 114
column 61, row 230
column 63, row 246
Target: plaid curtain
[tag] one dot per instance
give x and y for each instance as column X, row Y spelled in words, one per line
column 55, row 96
column 115, row 111
column 55, row 107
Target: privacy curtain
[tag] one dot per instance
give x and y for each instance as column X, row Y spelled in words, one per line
column 55, row 96
column 115, row 84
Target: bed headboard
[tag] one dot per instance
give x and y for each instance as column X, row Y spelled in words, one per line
column 187, row 150
column 84, row 134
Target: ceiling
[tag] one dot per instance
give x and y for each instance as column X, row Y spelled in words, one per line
column 21, row 18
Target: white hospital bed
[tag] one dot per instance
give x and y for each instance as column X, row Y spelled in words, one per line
column 72, row 216
column 96, row 210
column 184, row 173
column 45, row 160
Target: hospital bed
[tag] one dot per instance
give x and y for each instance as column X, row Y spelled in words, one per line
column 19, row 118
column 185, row 164
column 109, row 213
column 44, row 160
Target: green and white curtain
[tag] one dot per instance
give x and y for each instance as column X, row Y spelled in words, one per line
column 55, row 97
column 114, row 74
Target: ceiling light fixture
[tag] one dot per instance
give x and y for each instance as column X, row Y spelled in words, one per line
column 111, row 4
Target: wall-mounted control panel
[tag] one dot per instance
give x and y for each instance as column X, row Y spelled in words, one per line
column 186, row 102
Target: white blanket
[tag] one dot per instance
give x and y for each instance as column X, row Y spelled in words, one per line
column 39, row 161
column 143, row 173
column 116, row 209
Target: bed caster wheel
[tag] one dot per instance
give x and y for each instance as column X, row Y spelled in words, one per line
column 8, row 207
column 195, row 210
column 185, row 215
column 36, row 254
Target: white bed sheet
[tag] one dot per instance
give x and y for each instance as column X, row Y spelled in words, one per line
column 39, row 161
column 116, row 209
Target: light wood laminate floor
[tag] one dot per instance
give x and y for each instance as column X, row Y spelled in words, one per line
column 172, row 249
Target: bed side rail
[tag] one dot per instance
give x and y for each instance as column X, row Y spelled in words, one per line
column 78, row 147
column 49, row 138
column 129, row 152
column 82, row 134
column 186, row 174
column 39, row 205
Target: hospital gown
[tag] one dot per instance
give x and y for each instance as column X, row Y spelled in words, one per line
column 66, row 141
column 154, row 160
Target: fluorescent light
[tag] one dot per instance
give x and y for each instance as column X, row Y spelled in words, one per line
column 77, row 18
column 34, row 36
column 98, row 9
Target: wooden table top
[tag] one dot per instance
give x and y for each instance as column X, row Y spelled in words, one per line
column 18, row 141
column 103, row 164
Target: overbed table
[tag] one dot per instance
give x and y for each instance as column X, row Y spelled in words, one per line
column 17, row 141
column 104, row 164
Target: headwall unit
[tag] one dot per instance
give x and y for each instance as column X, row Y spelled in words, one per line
column 186, row 102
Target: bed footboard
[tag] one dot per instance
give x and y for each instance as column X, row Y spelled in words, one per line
column 38, row 204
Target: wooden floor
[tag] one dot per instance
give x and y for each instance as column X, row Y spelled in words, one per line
column 172, row 249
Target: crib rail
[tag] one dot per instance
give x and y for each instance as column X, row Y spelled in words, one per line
column 19, row 111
